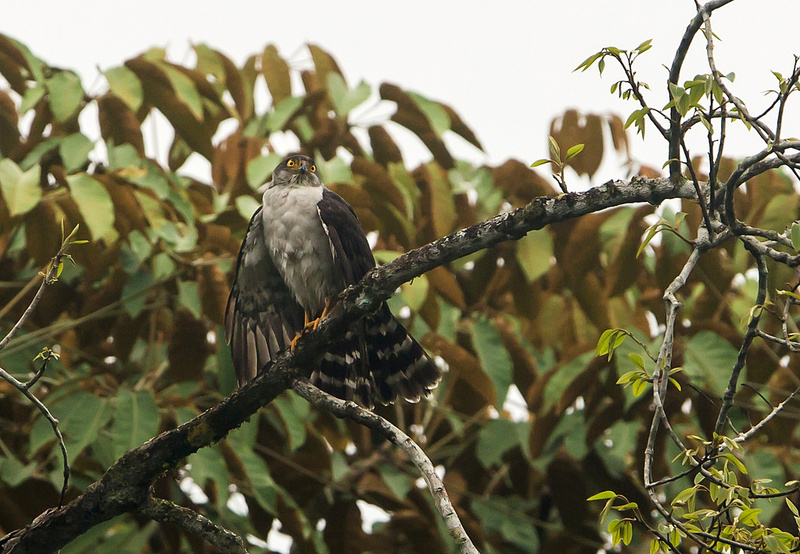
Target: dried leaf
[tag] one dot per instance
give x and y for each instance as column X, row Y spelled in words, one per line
column 276, row 73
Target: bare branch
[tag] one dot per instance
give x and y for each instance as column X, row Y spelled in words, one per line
column 674, row 75
column 165, row 511
column 353, row 411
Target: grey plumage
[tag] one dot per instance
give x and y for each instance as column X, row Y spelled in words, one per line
column 302, row 247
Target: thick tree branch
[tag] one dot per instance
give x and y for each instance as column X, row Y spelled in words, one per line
column 125, row 486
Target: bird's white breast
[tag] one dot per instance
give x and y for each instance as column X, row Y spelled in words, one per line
column 299, row 244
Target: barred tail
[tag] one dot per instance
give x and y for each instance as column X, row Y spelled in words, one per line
column 378, row 360
column 399, row 366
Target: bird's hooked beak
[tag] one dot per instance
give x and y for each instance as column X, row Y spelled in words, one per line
column 303, row 167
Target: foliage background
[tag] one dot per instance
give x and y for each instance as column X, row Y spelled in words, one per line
column 137, row 319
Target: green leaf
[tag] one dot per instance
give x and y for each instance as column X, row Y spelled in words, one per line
column 337, row 91
column 534, row 253
column 575, row 150
column 495, row 360
column 780, row 212
column 496, row 438
column 605, row 495
column 709, row 359
column 247, row 206
column 294, row 411
column 74, row 151
column 189, row 298
column 644, row 47
column 796, row 236
column 555, row 150
column 609, row 341
column 81, row 415
column 507, row 516
column 66, row 94
column 559, row 382
column 259, row 170
column 397, row 481
column 32, row 97
column 134, row 293
column 637, row 360
column 587, row 63
column 13, row 472
column 749, row 517
column 184, row 89
column 20, row 189
column 539, row 162
column 434, row 112
column 94, row 203
column 126, row 85
column 135, row 420
column 415, row 292
column 283, row 112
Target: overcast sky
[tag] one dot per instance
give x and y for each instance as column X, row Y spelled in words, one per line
column 506, row 67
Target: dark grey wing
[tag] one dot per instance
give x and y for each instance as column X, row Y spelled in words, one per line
column 344, row 370
column 262, row 316
column 351, row 250
column 378, row 358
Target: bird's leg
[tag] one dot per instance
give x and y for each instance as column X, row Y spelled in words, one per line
column 314, row 324
column 311, row 324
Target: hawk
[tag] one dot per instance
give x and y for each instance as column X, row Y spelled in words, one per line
column 303, row 246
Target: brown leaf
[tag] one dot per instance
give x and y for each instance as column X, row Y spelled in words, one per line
column 343, row 530
column 445, row 284
column 464, row 369
column 159, row 93
column 42, row 233
column 520, row 183
column 9, row 120
column 619, row 136
column 229, row 162
column 384, row 149
column 188, row 349
column 276, row 74
column 324, row 64
column 12, row 62
column 179, row 152
column 411, row 117
column 213, row 289
column 378, row 183
column 460, row 128
column 568, row 131
column 623, row 267
column 525, row 371
column 437, row 205
column 118, row 123
column 128, row 214
column 566, row 479
column 235, row 83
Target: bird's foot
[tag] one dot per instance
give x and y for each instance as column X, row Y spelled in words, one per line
column 310, row 326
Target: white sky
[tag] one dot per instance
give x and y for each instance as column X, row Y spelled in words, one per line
column 506, row 67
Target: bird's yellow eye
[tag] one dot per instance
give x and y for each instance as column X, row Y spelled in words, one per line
column 312, row 168
column 291, row 163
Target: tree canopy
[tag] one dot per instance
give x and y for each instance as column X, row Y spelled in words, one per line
column 605, row 353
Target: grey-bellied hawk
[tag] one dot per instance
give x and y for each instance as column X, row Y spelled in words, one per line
column 303, row 246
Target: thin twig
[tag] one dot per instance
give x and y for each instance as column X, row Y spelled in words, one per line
column 750, row 334
column 353, row 411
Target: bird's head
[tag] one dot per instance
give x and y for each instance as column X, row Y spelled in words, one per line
column 296, row 170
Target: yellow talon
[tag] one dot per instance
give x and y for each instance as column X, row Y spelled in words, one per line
column 310, row 325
